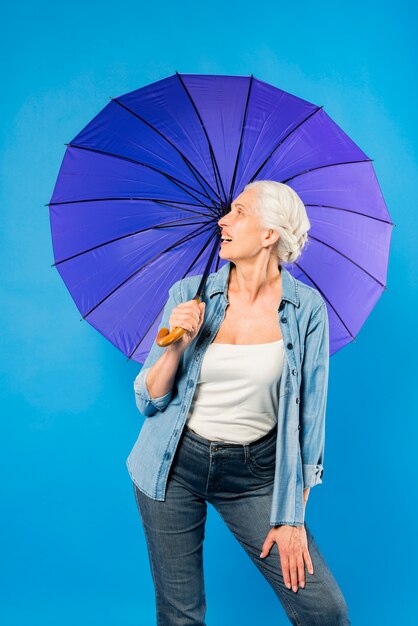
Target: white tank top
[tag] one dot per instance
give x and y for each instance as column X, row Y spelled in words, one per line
column 236, row 396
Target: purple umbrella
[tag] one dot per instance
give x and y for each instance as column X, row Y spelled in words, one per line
column 142, row 187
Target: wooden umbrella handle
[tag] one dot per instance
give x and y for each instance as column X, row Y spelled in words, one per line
column 165, row 338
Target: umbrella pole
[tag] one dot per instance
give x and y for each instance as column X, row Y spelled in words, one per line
column 165, row 337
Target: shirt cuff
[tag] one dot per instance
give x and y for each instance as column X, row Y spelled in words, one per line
column 148, row 406
column 312, row 475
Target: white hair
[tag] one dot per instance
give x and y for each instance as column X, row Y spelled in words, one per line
column 281, row 209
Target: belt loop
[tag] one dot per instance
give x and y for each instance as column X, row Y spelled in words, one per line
column 246, row 452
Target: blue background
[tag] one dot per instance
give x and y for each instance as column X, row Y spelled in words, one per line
column 72, row 545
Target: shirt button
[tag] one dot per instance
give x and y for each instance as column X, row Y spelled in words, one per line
column 290, row 346
column 190, row 383
column 281, row 306
column 297, row 400
column 284, row 320
column 167, row 455
column 294, row 372
column 299, row 427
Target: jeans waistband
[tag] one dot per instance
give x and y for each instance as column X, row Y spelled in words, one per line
column 208, row 442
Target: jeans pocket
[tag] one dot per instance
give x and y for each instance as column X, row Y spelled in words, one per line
column 263, row 462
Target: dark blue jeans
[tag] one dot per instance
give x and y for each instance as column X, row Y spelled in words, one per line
column 237, row 480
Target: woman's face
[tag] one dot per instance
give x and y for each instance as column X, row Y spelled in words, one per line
column 242, row 225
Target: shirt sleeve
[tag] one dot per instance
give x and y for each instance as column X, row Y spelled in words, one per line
column 144, row 403
column 314, row 390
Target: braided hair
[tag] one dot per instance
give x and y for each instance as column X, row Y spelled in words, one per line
column 281, row 209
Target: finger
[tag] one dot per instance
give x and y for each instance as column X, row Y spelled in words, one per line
column 267, row 547
column 308, row 560
column 202, row 315
column 193, row 310
column 184, row 320
column 181, row 322
column 284, row 561
column 195, row 314
column 188, row 303
column 193, row 326
column 185, row 308
column 293, row 573
column 301, row 571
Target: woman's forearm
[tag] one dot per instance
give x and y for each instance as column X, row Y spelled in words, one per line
column 160, row 378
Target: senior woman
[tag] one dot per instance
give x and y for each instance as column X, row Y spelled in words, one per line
column 235, row 417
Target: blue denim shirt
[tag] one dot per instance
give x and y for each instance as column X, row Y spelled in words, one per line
column 303, row 320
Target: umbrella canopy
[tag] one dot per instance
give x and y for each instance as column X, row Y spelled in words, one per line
column 141, row 188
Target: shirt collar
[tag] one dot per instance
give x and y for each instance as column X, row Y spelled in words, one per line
column 220, row 281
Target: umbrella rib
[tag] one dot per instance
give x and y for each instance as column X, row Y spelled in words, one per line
column 184, row 239
column 320, row 167
column 183, row 156
column 202, row 284
column 337, row 208
column 172, row 203
column 320, row 241
column 282, row 141
column 172, row 179
column 127, row 235
column 212, row 155
column 185, row 274
column 348, row 259
column 325, row 298
column 231, row 190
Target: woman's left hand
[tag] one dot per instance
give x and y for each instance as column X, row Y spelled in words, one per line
column 292, row 544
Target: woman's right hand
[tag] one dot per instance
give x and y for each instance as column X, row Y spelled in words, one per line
column 190, row 316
